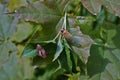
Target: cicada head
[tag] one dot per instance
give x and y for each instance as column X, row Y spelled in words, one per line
column 63, row 31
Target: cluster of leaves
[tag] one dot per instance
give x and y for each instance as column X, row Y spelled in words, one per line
column 34, row 22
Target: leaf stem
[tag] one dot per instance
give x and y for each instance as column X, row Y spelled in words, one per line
column 56, row 36
column 85, row 69
column 64, row 23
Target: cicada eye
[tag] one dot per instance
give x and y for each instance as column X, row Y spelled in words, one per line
column 62, row 30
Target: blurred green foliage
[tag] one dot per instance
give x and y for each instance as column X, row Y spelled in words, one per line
column 26, row 23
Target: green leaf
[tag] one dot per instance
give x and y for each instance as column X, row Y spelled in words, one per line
column 16, row 4
column 111, row 72
column 87, row 27
column 20, row 69
column 63, row 62
column 94, row 6
column 43, row 35
column 6, row 69
column 67, row 51
column 74, row 76
column 50, row 72
column 24, row 30
column 59, row 49
column 48, row 13
column 96, row 61
column 6, row 49
column 105, row 64
column 112, row 6
column 25, row 68
column 42, row 11
column 83, row 77
column 6, row 30
column 107, row 69
column 29, row 51
column 68, row 55
column 7, row 25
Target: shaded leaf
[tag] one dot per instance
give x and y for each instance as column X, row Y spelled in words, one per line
column 42, row 11
column 25, row 69
column 105, row 64
column 87, row 26
column 19, row 70
column 48, row 13
column 16, row 4
column 5, row 50
column 74, row 76
column 68, row 55
column 83, row 77
column 29, row 51
column 6, row 70
column 112, row 6
column 50, row 49
column 96, row 61
column 111, row 72
column 63, row 62
column 24, row 30
column 94, row 6
column 50, row 72
column 6, row 29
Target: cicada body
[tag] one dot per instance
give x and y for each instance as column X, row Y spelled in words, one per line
column 78, row 41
